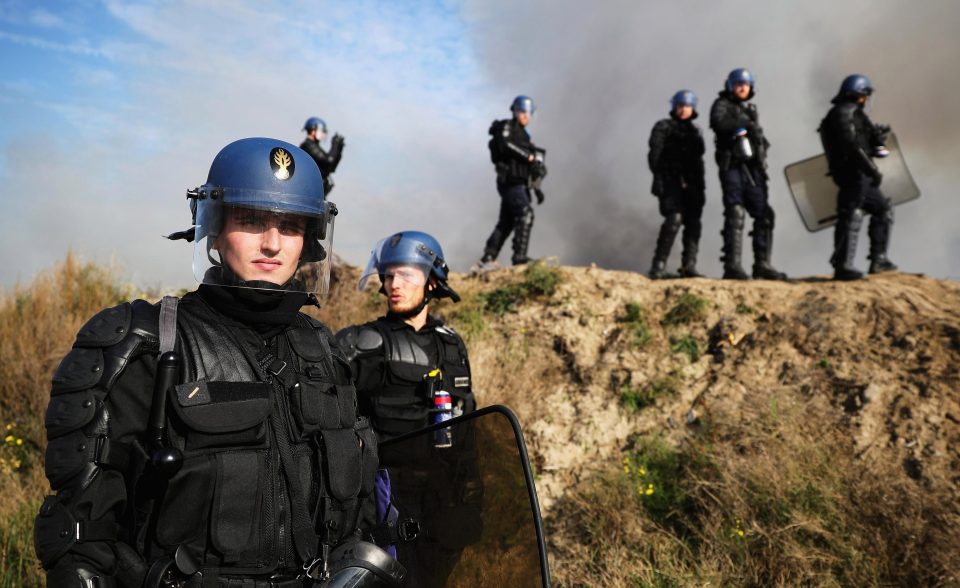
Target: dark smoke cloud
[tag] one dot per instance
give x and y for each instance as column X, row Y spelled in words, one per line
column 602, row 76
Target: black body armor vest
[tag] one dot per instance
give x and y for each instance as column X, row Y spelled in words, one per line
column 400, row 401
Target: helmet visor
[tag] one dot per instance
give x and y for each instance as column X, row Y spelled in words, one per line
column 400, row 259
column 253, row 244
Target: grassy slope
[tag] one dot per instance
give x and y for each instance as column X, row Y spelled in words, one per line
column 683, row 433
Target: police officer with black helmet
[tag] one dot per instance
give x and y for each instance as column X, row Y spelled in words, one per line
column 316, row 129
column 212, row 440
column 741, row 153
column 676, row 160
column 401, row 361
column 851, row 142
column 520, row 170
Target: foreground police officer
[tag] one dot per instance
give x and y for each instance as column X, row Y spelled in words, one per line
column 400, row 362
column 237, row 457
column 851, row 141
column 316, row 130
column 520, row 170
column 676, row 160
column 741, row 152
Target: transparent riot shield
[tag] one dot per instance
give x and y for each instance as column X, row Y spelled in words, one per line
column 815, row 194
column 467, row 507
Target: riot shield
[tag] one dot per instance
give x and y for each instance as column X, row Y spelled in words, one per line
column 815, row 194
column 468, row 510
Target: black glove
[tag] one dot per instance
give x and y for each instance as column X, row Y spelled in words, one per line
column 876, row 178
column 337, row 141
column 539, row 194
column 538, row 170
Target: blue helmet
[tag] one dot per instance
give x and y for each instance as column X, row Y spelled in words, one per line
column 314, row 122
column 741, row 75
column 855, row 85
column 414, row 248
column 276, row 180
column 523, row 104
column 683, row 98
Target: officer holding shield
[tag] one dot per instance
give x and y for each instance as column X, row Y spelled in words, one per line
column 851, row 142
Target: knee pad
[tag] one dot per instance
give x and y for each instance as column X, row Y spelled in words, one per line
column 673, row 221
column 736, row 214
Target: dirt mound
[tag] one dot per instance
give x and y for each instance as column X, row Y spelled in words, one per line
column 597, row 363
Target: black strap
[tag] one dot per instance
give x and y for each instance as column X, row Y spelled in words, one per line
column 112, row 454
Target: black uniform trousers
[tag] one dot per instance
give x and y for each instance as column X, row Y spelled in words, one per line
column 685, row 200
column 516, row 214
column 858, row 192
column 752, row 196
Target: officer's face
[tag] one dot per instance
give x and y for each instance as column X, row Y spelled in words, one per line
column 741, row 90
column 259, row 245
column 522, row 117
column 683, row 111
column 404, row 287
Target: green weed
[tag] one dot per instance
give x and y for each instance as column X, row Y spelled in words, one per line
column 635, row 323
column 635, row 399
column 686, row 344
column 688, row 308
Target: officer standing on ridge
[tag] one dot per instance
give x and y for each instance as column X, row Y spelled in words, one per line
column 213, row 440
column 741, row 152
column 520, row 170
column 851, row 141
column 401, row 361
column 676, row 160
column 316, row 130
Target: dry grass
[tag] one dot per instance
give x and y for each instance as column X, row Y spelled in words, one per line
column 38, row 324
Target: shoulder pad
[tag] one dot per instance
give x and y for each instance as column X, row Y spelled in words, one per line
column 107, row 327
column 81, row 368
column 495, row 126
column 369, row 338
column 145, row 319
column 448, row 331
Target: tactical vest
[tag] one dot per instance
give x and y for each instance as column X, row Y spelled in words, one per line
column 257, row 426
column 275, row 460
column 402, row 404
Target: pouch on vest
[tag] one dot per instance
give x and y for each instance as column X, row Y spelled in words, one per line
column 223, row 414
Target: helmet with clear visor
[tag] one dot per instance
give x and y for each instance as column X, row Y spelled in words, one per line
column 261, row 221
column 413, row 257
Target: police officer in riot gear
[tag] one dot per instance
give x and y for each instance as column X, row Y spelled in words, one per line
column 400, row 361
column 851, row 141
column 676, row 160
column 392, row 355
column 741, row 153
column 213, row 440
column 520, row 170
column 316, row 130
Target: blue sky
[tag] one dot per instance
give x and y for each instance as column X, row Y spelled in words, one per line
column 111, row 110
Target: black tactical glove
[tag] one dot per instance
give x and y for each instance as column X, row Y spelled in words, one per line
column 657, row 188
column 876, row 178
column 883, row 131
column 539, row 194
column 538, row 170
column 337, row 141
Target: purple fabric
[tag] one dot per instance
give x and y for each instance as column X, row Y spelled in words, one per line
column 385, row 510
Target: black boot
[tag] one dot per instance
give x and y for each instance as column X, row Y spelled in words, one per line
column 880, row 225
column 521, row 237
column 668, row 232
column 688, row 261
column 762, row 247
column 733, row 243
column 845, row 246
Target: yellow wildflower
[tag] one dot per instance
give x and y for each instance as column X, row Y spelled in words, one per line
column 19, row 441
column 8, row 438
